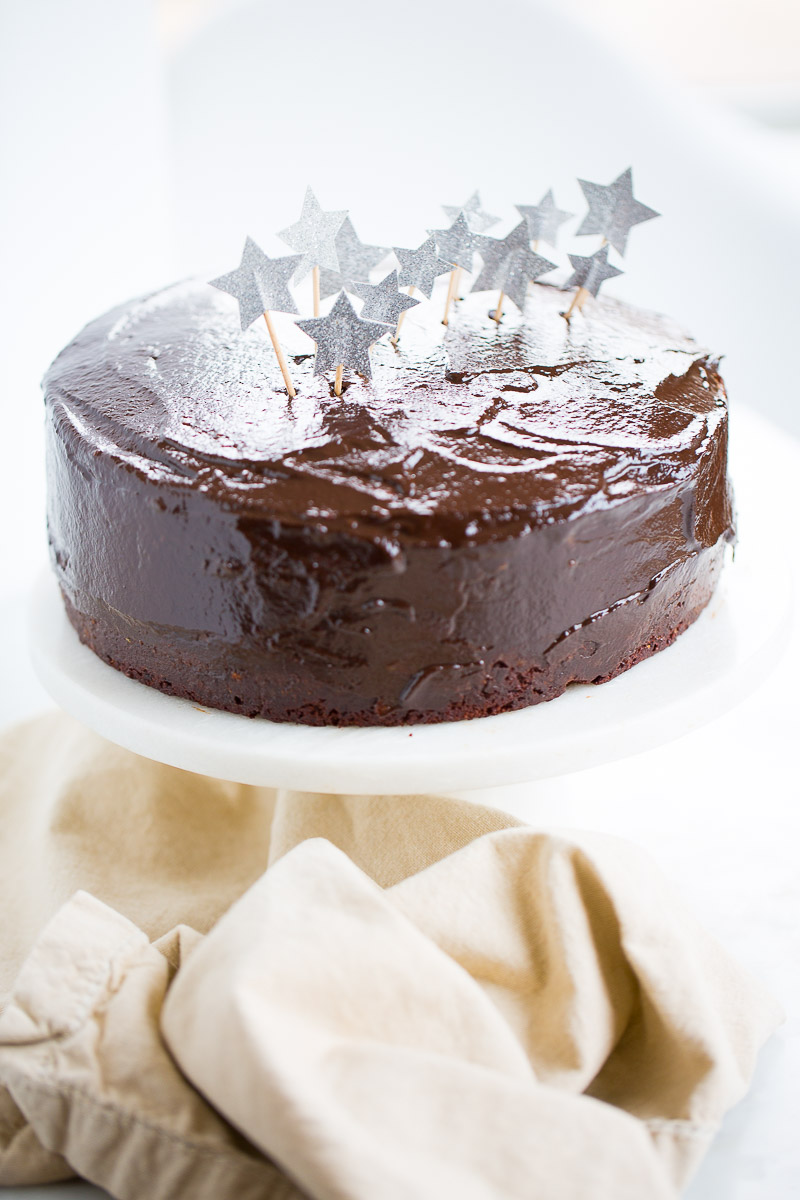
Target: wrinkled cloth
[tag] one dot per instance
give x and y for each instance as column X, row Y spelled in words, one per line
column 84, row 1061
column 273, row 994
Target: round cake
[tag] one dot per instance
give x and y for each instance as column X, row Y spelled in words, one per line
column 502, row 511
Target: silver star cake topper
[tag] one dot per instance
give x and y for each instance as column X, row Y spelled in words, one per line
column 591, row 271
column 543, row 219
column 384, row 301
column 332, row 282
column 456, row 245
column 356, row 258
column 478, row 220
column 509, row 265
column 314, row 236
column 613, row 211
column 343, row 339
column 260, row 283
column 419, row 268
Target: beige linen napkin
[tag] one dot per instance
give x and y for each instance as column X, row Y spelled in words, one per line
column 405, row 996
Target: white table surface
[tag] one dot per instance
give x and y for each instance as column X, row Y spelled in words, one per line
column 719, row 810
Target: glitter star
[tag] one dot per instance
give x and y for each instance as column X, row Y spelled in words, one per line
column 456, row 245
column 356, row 258
column 314, row 236
column 343, row 339
column 613, row 211
column 331, row 282
column 509, row 264
column 383, row 301
column 260, row 283
column 478, row 220
column 591, row 271
column 419, row 268
column 543, row 219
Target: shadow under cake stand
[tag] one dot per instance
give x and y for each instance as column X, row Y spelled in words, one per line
column 712, row 666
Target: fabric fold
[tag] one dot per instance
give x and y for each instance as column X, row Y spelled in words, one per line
column 23, row 1158
column 271, row 994
column 89, row 1083
column 448, row 1033
column 168, row 847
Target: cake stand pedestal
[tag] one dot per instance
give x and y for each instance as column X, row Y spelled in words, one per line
column 713, row 665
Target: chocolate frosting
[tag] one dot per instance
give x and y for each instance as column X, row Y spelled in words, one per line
column 483, row 433
column 502, row 510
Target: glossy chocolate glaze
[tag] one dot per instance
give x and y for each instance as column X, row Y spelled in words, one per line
column 500, row 512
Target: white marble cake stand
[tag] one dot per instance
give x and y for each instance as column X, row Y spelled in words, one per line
column 725, row 654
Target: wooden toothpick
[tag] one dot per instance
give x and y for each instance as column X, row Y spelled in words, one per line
column 578, row 301
column 260, row 284
column 337, row 383
column 498, row 311
column 400, row 320
column 281, row 357
column 452, row 289
column 315, row 277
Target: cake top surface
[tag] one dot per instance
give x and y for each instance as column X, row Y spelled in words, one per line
column 480, row 432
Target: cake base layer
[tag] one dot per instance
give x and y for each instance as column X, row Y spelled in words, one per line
column 202, row 670
column 494, row 516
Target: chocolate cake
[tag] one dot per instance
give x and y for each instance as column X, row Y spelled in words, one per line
column 501, row 512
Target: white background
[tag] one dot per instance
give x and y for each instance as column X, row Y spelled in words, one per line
column 141, row 142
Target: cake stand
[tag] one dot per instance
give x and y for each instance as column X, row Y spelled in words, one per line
column 726, row 653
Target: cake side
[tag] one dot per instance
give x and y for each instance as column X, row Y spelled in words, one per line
column 486, row 523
